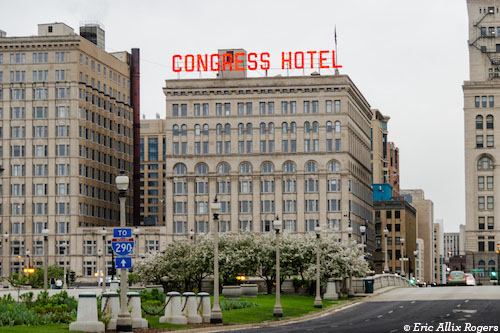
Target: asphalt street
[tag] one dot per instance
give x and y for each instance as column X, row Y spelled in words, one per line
column 445, row 309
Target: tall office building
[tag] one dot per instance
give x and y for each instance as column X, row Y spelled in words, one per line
column 425, row 229
column 66, row 127
column 153, row 145
column 481, row 98
column 297, row 148
column 451, row 244
column 438, row 253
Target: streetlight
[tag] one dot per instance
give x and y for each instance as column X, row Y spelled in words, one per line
column 278, row 310
column 45, row 233
column 362, row 230
column 386, row 266
column 6, row 238
column 415, row 254
column 216, row 316
column 401, row 241
column 137, row 232
column 350, row 291
column 191, row 236
column 317, row 301
column 99, row 276
column 104, row 232
column 124, row 321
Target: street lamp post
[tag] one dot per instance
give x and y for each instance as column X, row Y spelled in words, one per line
column 415, row 255
column 137, row 233
column 45, row 233
column 386, row 265
column 6, row 239
column 350, row 291
column 362, row 230
column 124, row 321
column 401, row 240
column 317, row 301
column 99, row 262
column 216, row 316
column 104, row 249
column 278, row 310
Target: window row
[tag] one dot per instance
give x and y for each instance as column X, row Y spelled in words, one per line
column 246, row 168
column 480, row 122
column 485, row 203
column 246, row 108
column 490, row 141
column 484, row 101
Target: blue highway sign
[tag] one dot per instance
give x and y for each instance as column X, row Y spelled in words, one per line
column 124, row 262
column 122, row 232
column 123, row 247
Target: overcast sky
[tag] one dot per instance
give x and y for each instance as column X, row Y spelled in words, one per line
column 408, row 58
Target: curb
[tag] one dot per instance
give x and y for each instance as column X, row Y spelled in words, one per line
column 273, row 323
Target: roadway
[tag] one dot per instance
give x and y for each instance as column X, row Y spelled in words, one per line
column 437, row 309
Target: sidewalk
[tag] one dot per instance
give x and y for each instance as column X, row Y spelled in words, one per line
column 273, row 323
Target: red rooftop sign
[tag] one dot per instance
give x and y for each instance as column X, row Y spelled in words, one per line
column 254, row 61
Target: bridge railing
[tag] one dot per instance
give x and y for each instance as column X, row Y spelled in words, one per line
column 382, row 281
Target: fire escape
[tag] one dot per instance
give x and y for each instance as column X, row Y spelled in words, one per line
column 483, row 33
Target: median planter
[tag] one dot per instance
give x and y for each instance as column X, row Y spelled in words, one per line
column 231, row 292
column 249, row 290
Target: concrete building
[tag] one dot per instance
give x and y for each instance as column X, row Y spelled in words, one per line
column 153, row 168
column 385, row 155
column 297, row 148
column 425, row 228
column 400, row 218
column 419, row 261
column 481, row 156
column 461, row 246
column 438, row 253
column 451, row 244
column 66, row 122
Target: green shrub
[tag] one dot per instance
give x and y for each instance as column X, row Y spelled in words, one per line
column 229, row 304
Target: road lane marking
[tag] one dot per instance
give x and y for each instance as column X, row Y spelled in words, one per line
column 466, row 301
column 390, row 311
column 459, row 305
column 412, row 302
column 367, row 319
column 464, row 311
column 394, row 330
column 379, row 316
column 467, row 316
column 447, row 315
column 401, row 306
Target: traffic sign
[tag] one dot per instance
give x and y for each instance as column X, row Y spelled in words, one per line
column 123, row 246
column 477, row 271
column 122, row 232
column 123, row 262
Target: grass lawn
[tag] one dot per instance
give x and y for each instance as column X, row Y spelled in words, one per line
column 293, row 306
column 56, row 328
column 154, row 323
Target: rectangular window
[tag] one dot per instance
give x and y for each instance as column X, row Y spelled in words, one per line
column 483, row 101
column 293, row 107
column 491, row 101
column 284, row 107
column 481, row 223
column 479, row 141
column 307, row 145
column 328, row 106
column 218, row 109
column 329, row 145
column 490, row 141
column 311, row 205
column 476, row 101
column 245, row 206
column 307, row 107
column 338, row 145
column 489, row 182
column 315, row 107
column 284, row 146
column 262, row 108
column 270, row 108
column 490, row 202
column 480, row 203
column 227, row 109
column 336, row 106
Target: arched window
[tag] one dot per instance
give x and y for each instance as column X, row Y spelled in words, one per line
column 311, row 167
column 293, row 127
column 201, row 169
column 491, row 265
column 267, row 167
column 245, row 168
column 315, row 127
column 284, row 128
column 179, row 169
column 205, row 129
column 329, row 127
column 175, row 130
column 184, row 130
column 223, row 169
column 262, row 128
column 270, row 127
column 334, row 166
column 197, row 130
column 227, row 129
column 479, row 122
column 218, row 129
column 337, row 126
column 485, row 163
column 489, row 121
column 289, row 167
column 241, row 129
column 307, row 127
column 249, row 128
column 481, row 263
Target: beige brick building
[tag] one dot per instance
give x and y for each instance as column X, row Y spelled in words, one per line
column 293, row 147
column 66, row 132
column 481, row 157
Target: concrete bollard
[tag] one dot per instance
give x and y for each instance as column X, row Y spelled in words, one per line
column 191, row 308
column 86, row 317
column 173, row 311
column 331, row 292
column 114, row 285
column 110, row 303
column 136, row 313
column 206, row 310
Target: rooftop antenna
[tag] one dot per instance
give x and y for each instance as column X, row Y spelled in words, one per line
column 336, row 62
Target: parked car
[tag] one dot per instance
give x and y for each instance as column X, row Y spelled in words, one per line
column 457, row 278
column 471, row 281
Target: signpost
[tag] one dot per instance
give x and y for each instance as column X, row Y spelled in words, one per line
column 123, row 245
column 123, row 262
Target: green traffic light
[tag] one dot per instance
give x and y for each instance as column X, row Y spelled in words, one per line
column 493, row 274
